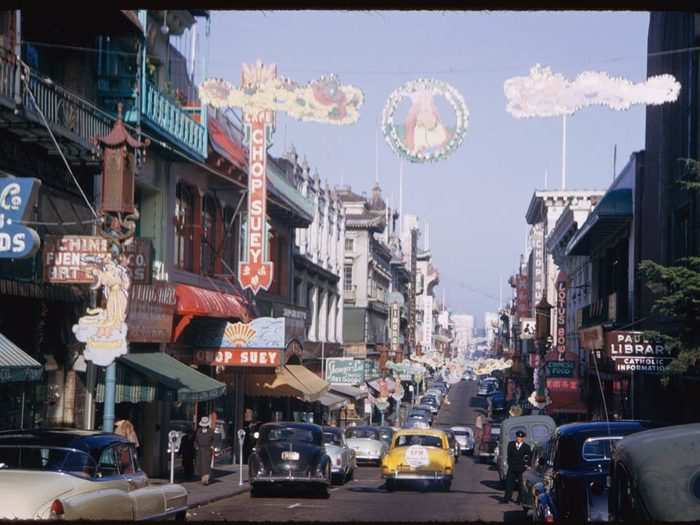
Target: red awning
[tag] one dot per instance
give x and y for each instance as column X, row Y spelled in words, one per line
column 200, row 302
column 225, row 146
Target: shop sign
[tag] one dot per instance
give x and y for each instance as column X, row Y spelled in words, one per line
column 412, row 297
column 394, row 326
column 560, row 368
column 592, row 338
column 632, row 352
column 345, row 371
column 263, row 332
column 427, row 323
column 68, row 259
column 560, row 340
column 533, row 359
column 562, row 384
column 238, row 357
column 523, row 299
column 16, row 196
column 537, row 243
column 151, row 311
column 527, row 328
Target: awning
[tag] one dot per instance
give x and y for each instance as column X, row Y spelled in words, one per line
column 150, row 376
column 287, row 381
column 17, row 366
column 193, row 301
column 332, row 402
column 612, row 212
column 348, row 391
column 224, row 145
column 376, row 384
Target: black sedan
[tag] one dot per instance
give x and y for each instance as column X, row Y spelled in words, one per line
column 289, row 455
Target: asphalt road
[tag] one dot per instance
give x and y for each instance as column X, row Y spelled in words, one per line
column 474, row 494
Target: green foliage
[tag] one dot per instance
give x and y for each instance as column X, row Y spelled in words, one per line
column 691, row 173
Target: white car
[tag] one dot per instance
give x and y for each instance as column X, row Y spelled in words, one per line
column 465, row 438
column 367, row 444
column 79, row 475
column 342, row 456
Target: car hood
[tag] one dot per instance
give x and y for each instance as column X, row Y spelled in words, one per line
column 25, row 492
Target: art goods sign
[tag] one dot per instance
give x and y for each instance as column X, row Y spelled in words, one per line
column 68, row 259
column 151, row 311
column 16, row 198
column 632, row 352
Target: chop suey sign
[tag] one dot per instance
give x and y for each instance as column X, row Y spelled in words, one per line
column 632, row 352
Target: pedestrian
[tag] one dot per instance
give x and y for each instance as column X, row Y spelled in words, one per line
column 125, row 428
column 187, row 453
column 518, row 458
column 204, row 445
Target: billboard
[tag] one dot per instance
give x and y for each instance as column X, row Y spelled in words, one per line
column 345, row 371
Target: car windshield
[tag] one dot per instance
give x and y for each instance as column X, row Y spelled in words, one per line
column 367, row 433
column 46, row 459
column 332, row 438
column 418, row 439
column 598, row 449
column 386, row 435
column 288, row 434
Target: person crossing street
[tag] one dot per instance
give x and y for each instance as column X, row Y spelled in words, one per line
column 518, row 457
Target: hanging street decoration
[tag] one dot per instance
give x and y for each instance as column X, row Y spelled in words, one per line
column 546, row 94
column 261, row 94
column 424, row 136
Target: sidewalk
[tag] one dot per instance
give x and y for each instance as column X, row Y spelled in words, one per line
column 223, row 483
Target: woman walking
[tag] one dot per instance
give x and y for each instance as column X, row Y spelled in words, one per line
column 204, row 444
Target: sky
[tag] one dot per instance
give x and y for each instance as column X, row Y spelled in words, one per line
column 475, row 200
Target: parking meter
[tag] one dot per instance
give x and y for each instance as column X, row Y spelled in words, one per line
column 241, row 439
column 174, row 440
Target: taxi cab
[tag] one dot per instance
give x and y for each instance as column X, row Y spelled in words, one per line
column 419, row 455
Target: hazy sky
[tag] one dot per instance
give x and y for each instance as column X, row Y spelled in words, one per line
column 475, row 201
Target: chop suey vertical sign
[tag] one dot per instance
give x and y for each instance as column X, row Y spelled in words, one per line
column 261, row 94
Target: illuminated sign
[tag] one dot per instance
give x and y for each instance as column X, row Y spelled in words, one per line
column 16, row 240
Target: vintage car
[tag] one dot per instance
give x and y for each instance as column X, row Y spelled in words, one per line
column 655, row 476
column 386, row 434
column 79, row 475
column 486, row 448
column 579, row 460
column 534, row 475
column 465, row 438
column 419, row 455
column 413, row 422
column 289, row 455
column 454, row 444
column 425, row 408
column 419, row 413
column 367, row 444
column 342, row 456
column 538, row 430
column 431, row 402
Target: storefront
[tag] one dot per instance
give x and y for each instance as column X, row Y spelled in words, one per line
column 19, row 375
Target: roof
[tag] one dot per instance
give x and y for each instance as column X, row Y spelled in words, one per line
column 294, row 424
column 331, row 401
column 58, row 437
column 420, row 432
column 594, row 428
column 16, row 365
column 348, row 391
column 280, row 187
column 537, row 207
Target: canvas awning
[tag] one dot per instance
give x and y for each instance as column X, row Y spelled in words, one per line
column 195, row 301
column 151, row 376
column 612, row 212
column 348, row 391
column 287, row 381
column 331, row 401
column 17, row 366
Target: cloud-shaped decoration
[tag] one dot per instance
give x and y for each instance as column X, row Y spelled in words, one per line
column 486, row 366
column 324, row 100
column 547, row 94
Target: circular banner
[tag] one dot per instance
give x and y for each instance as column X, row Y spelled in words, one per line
column 415, row 130
column 417, row 456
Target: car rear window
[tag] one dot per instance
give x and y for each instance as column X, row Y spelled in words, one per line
column 368, row 433
column 46, row 459
column 598, row 449
column 425, row 441
column 540, row 433
column 331, row 438
column 288, row 434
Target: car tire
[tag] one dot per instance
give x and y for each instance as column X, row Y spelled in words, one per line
column 324, row 493
column 446, row 486
column 181, row 516
column 390, row 485
column 257, row 492
column 337, row 479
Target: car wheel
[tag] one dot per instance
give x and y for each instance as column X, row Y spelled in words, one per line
column 323, row 492
column 257, row 491
column 181, row 516
column 446, row 486
column 390, row 485
column 337, row 479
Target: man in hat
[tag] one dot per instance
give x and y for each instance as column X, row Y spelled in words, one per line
column 204, row 444
column 518, row 458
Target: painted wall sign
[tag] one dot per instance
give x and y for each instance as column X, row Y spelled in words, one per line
column 238, row 357
column 632, row 352
column 263, row 332
column 560, row 339
column 65, row 260
column 151, row 311
column 16, row 197
column 345, row 371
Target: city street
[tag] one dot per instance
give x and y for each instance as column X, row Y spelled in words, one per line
column 474, row 494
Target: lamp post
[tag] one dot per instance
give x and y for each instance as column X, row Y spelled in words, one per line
column 542, row 340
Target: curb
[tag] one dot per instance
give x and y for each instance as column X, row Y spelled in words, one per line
column 211, row 499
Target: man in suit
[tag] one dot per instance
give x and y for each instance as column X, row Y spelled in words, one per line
column 518, row 458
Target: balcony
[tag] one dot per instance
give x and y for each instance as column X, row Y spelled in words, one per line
column 176, row 123
column 73, row 120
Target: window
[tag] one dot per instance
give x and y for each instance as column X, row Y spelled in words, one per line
column 124, row 457
column 598, row 449
column 230, row 241
column 208, row 251
column 347, row 277
column 184, row 226
column 540, row 433
column 108, row 465
column 424, row 441
column 349, row 245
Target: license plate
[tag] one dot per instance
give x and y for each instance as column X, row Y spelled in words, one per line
column 290, row 456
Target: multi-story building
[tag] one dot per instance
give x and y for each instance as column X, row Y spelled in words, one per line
column 464, row 330
column 490, row 327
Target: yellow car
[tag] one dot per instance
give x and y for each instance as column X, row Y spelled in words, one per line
column 419, row 454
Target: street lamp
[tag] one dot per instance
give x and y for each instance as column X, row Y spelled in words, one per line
column 543, row 339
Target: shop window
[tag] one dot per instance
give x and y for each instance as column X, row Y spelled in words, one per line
column 184, row 226
column 230, row 242
column 208, row 242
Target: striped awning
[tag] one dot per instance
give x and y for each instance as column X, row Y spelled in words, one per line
column 132, row 387
column 16, row 366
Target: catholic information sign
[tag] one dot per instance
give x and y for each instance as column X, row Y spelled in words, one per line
column 632, row 352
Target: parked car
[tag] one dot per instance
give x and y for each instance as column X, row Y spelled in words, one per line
column 79, row 475
column 419, row 455
column 655, row 476
column 421, row 413
column 538, row 430
column 579, row 458
column 386, row 434
column 428, row 408
column 465, row 438
column 342, row 456
column 454, row 444
column 486, row 448
column 496, row 403
column 416, row 423
column 487, row 388
column 367, row 444
column 289, row 455
column 534, row 475
column 432, row 402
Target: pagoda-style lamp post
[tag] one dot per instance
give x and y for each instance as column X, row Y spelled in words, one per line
column 542, row 340
column 121, row 156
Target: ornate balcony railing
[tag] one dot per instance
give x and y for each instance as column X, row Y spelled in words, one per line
column 174, row 121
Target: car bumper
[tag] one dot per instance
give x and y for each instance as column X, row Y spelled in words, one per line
column 426, row 476
column 366, row 458
column 292, row 478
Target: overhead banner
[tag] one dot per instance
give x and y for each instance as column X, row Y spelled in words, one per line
column 632, row 352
